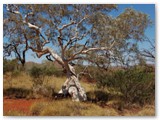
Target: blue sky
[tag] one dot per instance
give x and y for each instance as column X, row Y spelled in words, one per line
column 145, row 8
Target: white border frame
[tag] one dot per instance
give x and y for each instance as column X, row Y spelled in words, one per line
column 157, row 37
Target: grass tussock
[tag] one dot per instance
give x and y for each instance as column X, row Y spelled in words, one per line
column 22, row 86
column 147, row 110
column 36, row 108
column 23, row 80
column 14, row 113
column 69, row 108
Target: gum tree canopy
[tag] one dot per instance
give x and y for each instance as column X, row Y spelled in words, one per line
column 68, row 33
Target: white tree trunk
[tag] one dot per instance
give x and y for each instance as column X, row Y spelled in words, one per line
column 73, row 86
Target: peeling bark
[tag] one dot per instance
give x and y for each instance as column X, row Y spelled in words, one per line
column 73, row 86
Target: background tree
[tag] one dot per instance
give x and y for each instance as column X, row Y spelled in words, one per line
column 69, row 33
column 14, row 42
column 149, row 53
column 20, row 53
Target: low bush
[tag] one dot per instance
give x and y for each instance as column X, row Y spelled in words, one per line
column 98, row 96
column 52, row 70
column 10, row 65
column 36, row 72
column 137, row 85
column 17, row 92
column 43, row 91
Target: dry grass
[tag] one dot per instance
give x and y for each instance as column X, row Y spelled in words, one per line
column 55, row 82
column 69, row 108
column 25, row 81
column 37, row 108
column 14, row 113
column 22, row 81
column 148, row 110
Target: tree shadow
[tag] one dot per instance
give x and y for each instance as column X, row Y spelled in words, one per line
column 17, row 92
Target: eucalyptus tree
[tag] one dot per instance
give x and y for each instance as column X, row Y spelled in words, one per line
column 69, row 33
column 13, row 42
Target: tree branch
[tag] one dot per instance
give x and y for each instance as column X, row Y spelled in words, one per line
column 66, row 25
column 25, row 21
column 83, row 72
column 100, row 48
column 60, row 36
column 76, row 35
column 15, row 49
column 14, row 12
column 79, row 52
column 31, row 26
column 148, row 54
column 49, row 57
column 74, row 39
column 77, row 24
column 48, row 50
column 84, row 50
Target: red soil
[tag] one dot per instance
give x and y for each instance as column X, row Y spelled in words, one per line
column 21, row 105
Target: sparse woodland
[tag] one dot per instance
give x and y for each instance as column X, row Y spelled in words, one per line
column 81, row 43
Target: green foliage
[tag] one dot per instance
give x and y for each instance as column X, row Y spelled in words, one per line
column 88, row 23
column 36, row 72
column 98, row 96
column 90, row 72
column 51, row 70
column 9, row 65
column 137, row 85
column 37, row 75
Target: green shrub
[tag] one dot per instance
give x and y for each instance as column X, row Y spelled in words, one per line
column 38, row 75
column 98, row 96
column 137, row 85
column 9, row 65
column 52, row 70
column 17, row 92
column 36, row 72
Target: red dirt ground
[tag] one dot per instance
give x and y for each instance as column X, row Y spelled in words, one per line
column 22, row 105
